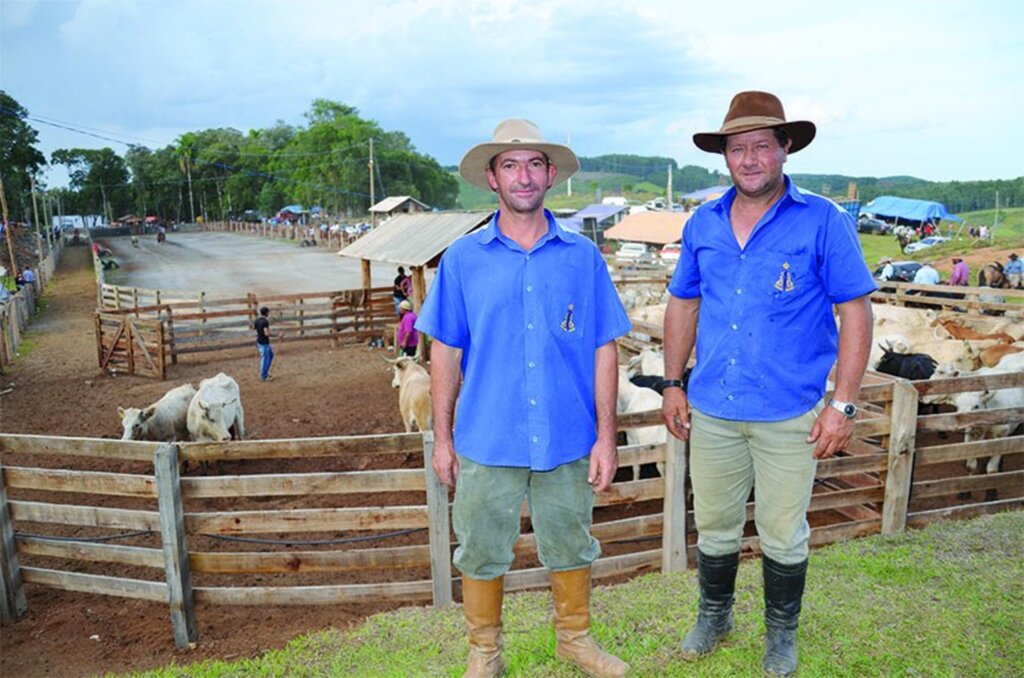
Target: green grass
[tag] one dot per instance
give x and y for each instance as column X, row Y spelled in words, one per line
column 944, row 601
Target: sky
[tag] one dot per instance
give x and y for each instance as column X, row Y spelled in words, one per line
column 931, row 89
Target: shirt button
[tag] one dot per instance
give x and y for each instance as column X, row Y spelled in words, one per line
column 529, row 288
column 533, row 401
column 531, row 364
column 535, row 439
column 743, row 256
column 735, row 326
column 731, row 397
column 732, row 361
column 739, row 291
column 529, row 326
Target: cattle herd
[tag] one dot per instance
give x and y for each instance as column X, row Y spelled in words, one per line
column 909, row 343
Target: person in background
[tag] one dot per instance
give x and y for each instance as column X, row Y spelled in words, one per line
column 29, row 276
column 402, row 289
column 408, row 337
column 888, row 272
column 926, row 275
column 1014, row 271
column 262, row 326
column 763, row 272
column 523, row 316
column 961, row 274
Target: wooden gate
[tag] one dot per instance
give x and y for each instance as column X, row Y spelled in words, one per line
column 132, row 345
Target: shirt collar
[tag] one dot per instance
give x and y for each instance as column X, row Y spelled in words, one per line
column 555, row 230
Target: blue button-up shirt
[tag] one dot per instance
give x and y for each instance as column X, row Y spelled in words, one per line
column 528, row 324
column 766, row 335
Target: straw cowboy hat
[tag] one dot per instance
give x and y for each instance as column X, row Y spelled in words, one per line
column 405, row 305
column 511, row 135
column 756, row 110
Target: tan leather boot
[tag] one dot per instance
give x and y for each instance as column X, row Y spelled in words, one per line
column 571, row 591
column 481, row 604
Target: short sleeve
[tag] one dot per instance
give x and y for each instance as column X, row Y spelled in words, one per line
column 612, row 321
column 685, row 282
column 844, row 273
column 443, row 314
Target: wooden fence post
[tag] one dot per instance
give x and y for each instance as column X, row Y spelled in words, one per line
column 12, row 589
column 673, row 532
column 439, row 530
column 902, row 442
column 172, row 534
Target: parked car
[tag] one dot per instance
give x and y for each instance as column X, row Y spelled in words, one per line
column 670, row 252
column 873, row 226
column 924, row 243
column 903, row 271
column 633, row 251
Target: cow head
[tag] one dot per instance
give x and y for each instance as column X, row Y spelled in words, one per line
column 215, row 422
column 401, row 364
column 133, row 421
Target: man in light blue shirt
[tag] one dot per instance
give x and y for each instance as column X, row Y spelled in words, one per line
column 926, row 275
column 524, row 315
column 760, row 271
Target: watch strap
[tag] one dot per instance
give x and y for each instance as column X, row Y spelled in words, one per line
column 671, row 383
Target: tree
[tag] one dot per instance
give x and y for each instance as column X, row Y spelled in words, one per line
column 100, row 179
column 19, row 158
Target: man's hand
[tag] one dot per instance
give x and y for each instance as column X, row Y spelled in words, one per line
column 604, row 462
column 446, row 464
column 832, row 431
column 675, row 409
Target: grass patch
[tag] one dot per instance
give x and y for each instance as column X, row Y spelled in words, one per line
column 943, row 601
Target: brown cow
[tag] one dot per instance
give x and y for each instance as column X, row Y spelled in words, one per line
column 963, row 332
column 991, row 356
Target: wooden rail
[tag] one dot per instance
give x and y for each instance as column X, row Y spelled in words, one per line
column 296, row 525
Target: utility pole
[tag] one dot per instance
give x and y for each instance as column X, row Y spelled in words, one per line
column 35, row 218
column 668, row 192
column 373, row 200
column 7, row 231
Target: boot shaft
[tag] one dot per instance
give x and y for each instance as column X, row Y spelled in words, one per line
column 717, row 578
column 783, row 592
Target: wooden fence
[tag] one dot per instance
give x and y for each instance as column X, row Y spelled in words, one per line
column 17, row 312
column 196, row 323
column 297, row 234
column 365, row 519
column 983, row 300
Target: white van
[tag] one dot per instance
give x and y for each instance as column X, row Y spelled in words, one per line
column 633, row 251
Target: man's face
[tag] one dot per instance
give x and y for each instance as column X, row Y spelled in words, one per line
column 521, row 179
column 755, row 162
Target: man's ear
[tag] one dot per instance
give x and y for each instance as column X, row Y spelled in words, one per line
column 552, row 173
column 491, row 180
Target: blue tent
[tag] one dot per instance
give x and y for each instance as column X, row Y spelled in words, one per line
column 908, row 208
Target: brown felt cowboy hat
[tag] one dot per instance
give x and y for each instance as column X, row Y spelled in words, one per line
column 510, row 135
column 756, row 110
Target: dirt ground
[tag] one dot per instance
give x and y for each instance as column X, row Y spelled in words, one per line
column 59, row 390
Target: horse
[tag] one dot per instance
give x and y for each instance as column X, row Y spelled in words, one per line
column 992, row 275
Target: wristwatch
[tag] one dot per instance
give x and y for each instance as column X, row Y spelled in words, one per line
column 848, row 410
column 671, row 383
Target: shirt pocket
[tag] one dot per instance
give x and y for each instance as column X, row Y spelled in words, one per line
column 566, row 312
column 788, row 277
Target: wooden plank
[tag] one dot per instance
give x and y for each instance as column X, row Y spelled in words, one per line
column 635, row 455
column 612, row 566
column 286, row 448
column 673, row 544
column 938, row 454
column 439, row 527
column 87, row 516
column 172, row 534
column 315, row 595
column 292, row 484
column 92, row 552
column 308, row 520
column 957, row 421
column 924, row 518
column 839, row 466
column 85, row 482
column 382, row 559
column 967, row 384
column 632, row 492
column 95, row 583
column 13, row 603
column 950, row 486
column 836, row 499
column 902, row 441
column 17, row 443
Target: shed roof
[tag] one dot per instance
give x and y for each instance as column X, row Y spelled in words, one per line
column 414, row 239
column 600, row 212
column 394, row 202
column 705, row 194
column 659, row 228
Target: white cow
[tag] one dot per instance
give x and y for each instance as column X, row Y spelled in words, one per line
column 414, row 402
column 215, row 413
column 650, row 361
column 164, row 420
column 633, row 398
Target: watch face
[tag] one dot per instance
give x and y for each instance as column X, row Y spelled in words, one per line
column 850, row 410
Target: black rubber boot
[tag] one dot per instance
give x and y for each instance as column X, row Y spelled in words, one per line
column 783, row 593
column 717, row 576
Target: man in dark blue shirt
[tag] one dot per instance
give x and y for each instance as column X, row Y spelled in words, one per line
column 523, row 316
column 760, row 271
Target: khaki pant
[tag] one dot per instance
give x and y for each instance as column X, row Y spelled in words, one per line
column 727, row 458
column 486, row 516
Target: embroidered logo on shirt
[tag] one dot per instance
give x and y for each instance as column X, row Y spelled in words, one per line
column 785, row 281
column 567, row 323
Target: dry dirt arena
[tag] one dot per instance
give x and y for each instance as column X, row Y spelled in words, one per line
column 59, row 390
